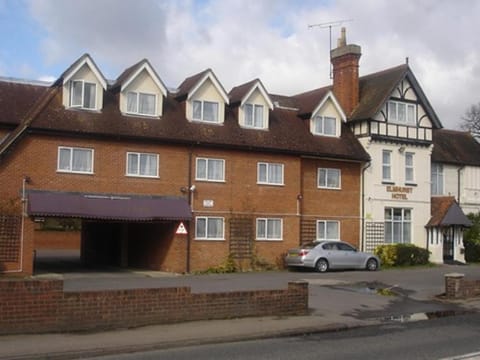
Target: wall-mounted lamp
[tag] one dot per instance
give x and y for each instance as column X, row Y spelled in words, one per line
column 401, row 149
column 192, row 188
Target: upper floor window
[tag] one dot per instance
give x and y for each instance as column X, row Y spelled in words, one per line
column 270, row 173
column 209, row 228
column 254, row 116
column 325, row 125
column 409, row 168
column 398, row 225
column 401, row 112
column 329, row 178
column 205, row 111
column 269, row 229
column 437, row 179
column 83, row 94
column 75, row 160
column 210, row 169
column 141, row 103
column 386, row 165
column 328, row 230
column 142, row 164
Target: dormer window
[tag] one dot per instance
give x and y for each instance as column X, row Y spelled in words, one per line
column 205, row 111
column 325, row 125
column 254, row 116
column 141, row 103
column 82, row 94
column 401, row 112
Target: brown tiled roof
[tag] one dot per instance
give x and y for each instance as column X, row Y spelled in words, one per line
column 287, row 132
column 455, row 147
column 446, row 211
column 127, row 73
column 308, row 101
column 375, row 89
column 238, row 92
column 16, row 99
column 189, row 83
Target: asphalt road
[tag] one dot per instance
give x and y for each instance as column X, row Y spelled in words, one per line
column 440, row 338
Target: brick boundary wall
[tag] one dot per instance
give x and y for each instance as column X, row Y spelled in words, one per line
column 456, row 287
column 41, row 306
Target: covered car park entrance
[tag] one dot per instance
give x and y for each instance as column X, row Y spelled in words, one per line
column 121, row 230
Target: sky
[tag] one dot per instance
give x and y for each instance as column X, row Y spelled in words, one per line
column 241, row 40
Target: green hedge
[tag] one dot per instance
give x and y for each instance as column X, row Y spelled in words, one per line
column 471, row 239
column 402, row 255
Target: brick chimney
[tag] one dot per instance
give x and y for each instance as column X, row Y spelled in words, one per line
column 345, row 60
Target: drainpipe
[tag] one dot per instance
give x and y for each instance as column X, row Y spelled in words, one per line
column 458, row 182
column 190, row 195
column 364, row 168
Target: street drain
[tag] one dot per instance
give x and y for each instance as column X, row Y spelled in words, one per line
column 426, row 315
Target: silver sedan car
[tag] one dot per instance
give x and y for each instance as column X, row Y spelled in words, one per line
column 325, row 255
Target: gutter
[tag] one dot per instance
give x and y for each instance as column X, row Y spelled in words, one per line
column 364, row 168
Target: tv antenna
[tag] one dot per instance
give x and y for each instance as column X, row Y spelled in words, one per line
column 329, row 25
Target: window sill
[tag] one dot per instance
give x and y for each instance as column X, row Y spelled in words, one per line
column 145, row 116
column 410, row 184
column 74, row 172
column 328, row 188
column 386, row 182
column 208, row 240
column 269, row 184
column 211, row 181
column 142, row 176
column 269, row 240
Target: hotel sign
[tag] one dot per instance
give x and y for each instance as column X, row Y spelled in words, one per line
column 399, row 192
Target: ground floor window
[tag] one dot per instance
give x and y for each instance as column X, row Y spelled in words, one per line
column 209, row 228
column 269, row 229
column 328, row 230
column 398, row 225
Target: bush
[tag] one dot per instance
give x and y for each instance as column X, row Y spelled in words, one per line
column 471, row 239
column 402, row 255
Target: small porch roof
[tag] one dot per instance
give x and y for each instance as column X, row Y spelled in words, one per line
column 446, row 212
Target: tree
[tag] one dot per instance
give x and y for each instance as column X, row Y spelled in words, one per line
column 471, row 120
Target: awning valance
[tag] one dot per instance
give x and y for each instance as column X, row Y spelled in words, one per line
column 107, row 207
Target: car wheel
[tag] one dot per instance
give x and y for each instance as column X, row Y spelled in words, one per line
column 321, row 265
column 372, row 264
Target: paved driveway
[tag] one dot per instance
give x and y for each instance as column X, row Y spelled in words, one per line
column 346, row 293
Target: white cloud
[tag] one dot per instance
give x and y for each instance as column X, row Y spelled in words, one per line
column 270, row 39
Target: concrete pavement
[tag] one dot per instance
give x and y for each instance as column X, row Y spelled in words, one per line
column 338, row 301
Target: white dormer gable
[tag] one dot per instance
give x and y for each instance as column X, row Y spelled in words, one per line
column 254, row 108
column 142, row 92
column 83, row 85
column 327, row 117
column 206, row 100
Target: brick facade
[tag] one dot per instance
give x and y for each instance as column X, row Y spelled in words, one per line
column 457, row 287
column 40, row 306
column 240, row 195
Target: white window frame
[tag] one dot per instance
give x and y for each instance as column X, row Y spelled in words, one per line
column 71, row 160
column 322, row 131
column 325, row 230
column 394, row 112
column 205, row 236
column 269, row 181
column 253, row 109
column 202, row 111
column 266, row 236
column 387, row 165
column 405, row 221
column 138, row 94
column 137, row 172
column 207, row 176
column 81, row 105
column 410, row 168
column 328, row 172
column 437, row 175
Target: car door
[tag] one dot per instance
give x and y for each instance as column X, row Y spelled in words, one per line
column 351, row 258
column 347, row 255
column 333, row 254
